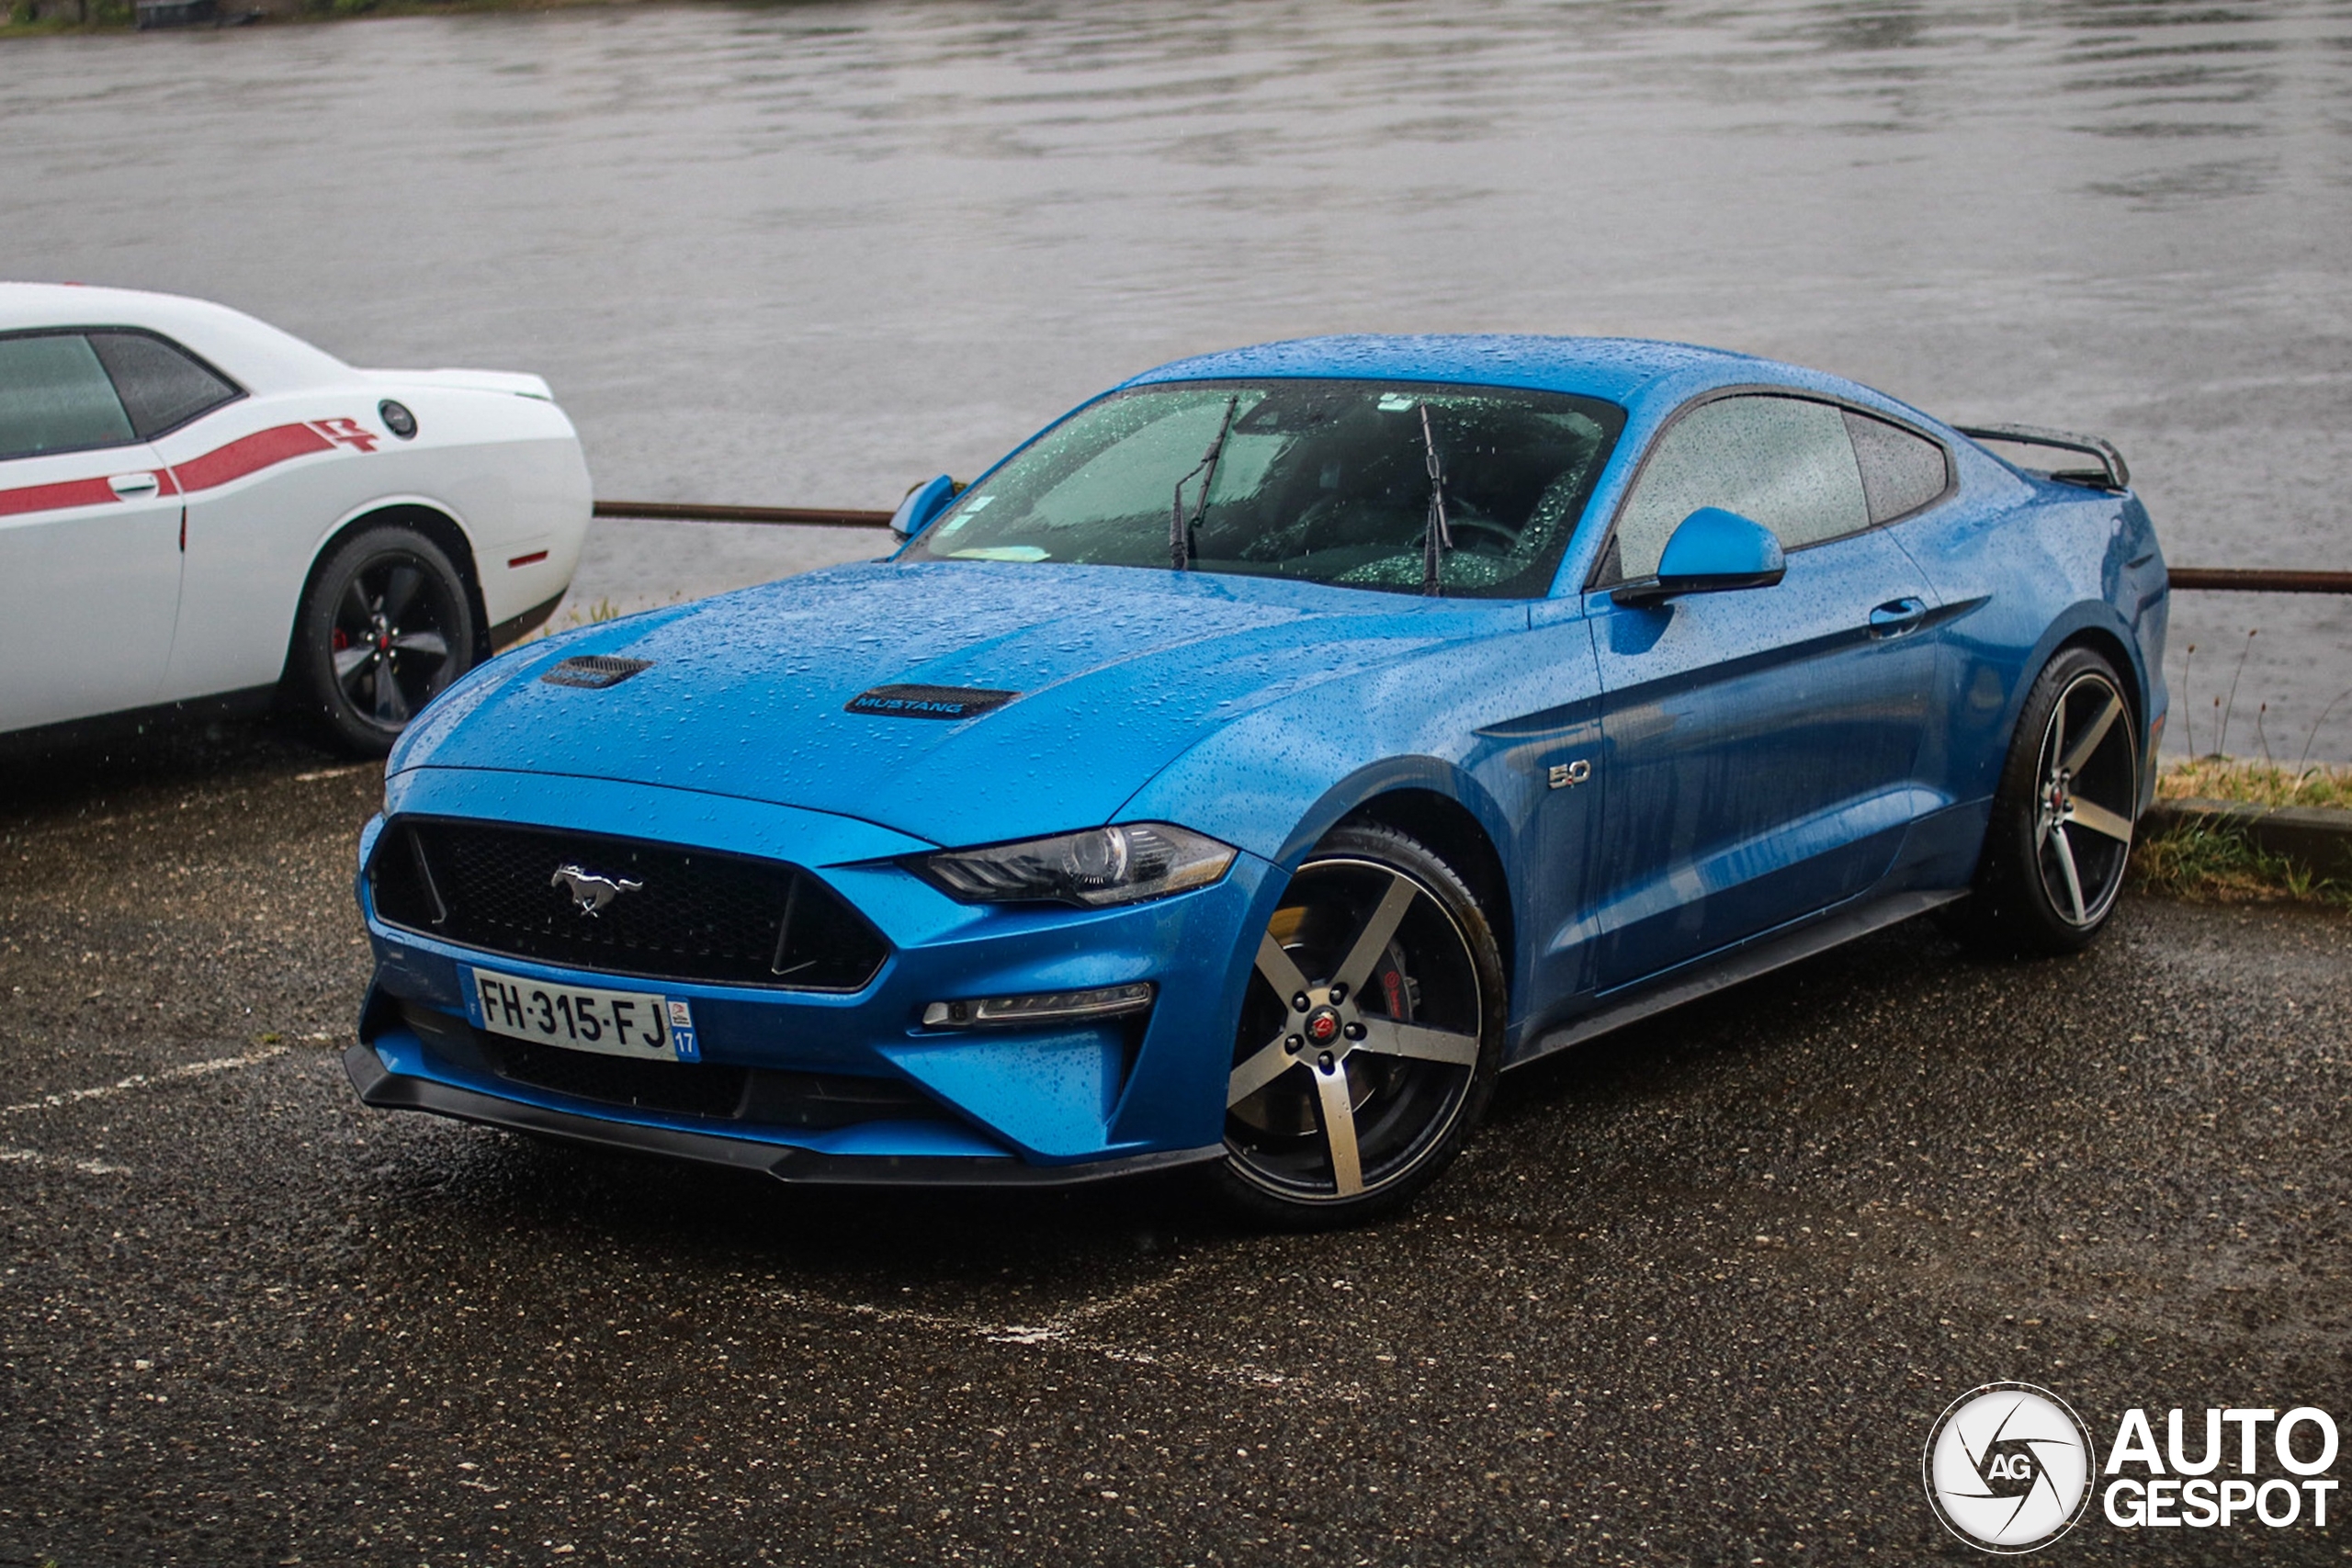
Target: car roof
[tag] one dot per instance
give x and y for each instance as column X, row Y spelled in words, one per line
column 1647, row 377
column 260, row 357
column 1615, row 368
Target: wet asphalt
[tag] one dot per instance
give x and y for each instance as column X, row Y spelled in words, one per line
column 1694, row 1296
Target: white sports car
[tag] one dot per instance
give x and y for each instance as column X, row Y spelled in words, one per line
column 199, row 511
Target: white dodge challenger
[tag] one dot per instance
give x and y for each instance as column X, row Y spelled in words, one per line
column 199, row 513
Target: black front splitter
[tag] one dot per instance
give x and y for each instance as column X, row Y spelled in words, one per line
column 387, row 1090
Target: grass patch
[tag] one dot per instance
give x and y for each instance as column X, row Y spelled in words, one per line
column 597, row 614
column 2256, row 782
column 603, row 610
column 2212, row 865
column 2221, row 865
column 18, row 19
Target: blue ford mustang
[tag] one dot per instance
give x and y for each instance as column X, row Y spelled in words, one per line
column 1260, row 759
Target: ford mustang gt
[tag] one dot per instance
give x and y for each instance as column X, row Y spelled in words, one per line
column 1259, row 760
column 201, row 513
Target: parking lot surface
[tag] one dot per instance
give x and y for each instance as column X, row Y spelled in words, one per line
column 1695, row 1294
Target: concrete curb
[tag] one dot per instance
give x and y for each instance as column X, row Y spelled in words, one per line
column 2318, row 836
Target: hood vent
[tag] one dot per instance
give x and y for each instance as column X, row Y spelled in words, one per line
column 594, row 671
column 927, row 702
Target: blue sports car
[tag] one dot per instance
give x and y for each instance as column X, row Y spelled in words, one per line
column 1259, row 761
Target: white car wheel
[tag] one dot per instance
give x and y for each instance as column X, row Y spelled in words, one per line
column 386, row 627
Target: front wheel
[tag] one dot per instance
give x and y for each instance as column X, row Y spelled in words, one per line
column 1369, row 1036
column 2060, row 828
column 386, row 627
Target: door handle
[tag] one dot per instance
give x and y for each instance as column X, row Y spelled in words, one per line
column 1897, row 616
column 134, row 487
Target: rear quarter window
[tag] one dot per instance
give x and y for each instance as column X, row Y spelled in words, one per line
column 55, row 397
column 1900, row 472
column 163, row 386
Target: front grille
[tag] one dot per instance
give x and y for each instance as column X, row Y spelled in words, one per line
column 759, row 1096
column 662, row 912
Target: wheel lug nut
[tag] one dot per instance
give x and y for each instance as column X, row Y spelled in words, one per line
column 1299, row 1002
column 1324, row 1060
column 1339, row 995
column 1355, row 1032
column 1293, row 1045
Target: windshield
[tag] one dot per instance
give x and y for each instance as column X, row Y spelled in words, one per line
column 1324, row 481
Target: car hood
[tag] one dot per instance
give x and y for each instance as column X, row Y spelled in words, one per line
column 1117, row 671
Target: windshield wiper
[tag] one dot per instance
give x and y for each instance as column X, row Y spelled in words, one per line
column 1439, row 536
column 1180, row 530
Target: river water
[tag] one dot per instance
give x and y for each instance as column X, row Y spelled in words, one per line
column 807, row 253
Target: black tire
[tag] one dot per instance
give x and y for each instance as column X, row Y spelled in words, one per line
column 1407, row 1060
column 2061, row 830
column 386, row 627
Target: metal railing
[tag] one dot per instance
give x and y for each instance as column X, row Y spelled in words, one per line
column 2220, row 579
column 793, row 517
column 2234, row 580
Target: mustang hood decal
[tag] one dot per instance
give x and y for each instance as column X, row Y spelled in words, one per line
column 1077, row 684
column 928, row 702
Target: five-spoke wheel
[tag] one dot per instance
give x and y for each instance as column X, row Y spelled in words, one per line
column 2061, row 830
column 2082, row 810
column 387, row 626
column 1367, row 1040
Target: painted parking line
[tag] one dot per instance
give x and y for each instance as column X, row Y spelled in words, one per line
column 144, row 1080
column 60, row 1162
column 1060, row 1333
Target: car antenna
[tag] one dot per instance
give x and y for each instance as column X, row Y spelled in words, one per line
column 1180, row 530
column 1439, row 537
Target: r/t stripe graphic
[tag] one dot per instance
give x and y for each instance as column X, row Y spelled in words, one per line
column 222, row 465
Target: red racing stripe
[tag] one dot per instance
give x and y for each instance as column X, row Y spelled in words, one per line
column 246, row 455
column 46, row 498
column 249, row 454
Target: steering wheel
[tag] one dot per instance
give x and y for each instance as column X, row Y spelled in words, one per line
column 1508, row 537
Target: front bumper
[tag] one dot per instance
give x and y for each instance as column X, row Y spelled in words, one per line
column 1051, row 1105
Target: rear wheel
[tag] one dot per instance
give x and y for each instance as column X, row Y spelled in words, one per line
column 1369, row 1036
column 386, row 628
column 2061, row 830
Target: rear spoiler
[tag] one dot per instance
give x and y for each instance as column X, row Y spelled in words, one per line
column 2111, row 473
column 522, row 386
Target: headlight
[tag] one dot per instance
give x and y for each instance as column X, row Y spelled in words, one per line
column 1100, row 865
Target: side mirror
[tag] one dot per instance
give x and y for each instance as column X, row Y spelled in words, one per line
column 1710, row 551
column 923, row 504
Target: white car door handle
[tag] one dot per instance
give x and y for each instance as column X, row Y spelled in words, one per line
column 131, row 487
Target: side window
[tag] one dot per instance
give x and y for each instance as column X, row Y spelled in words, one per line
column 54, row 397
column 1785, row 462
column 1901, row 472
column 163, row 386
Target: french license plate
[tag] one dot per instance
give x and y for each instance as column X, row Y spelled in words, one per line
column 648, row 1027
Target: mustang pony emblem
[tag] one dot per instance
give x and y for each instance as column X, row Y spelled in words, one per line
column 590, row 890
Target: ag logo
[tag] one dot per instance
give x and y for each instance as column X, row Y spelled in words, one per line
column 2008, row 1467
